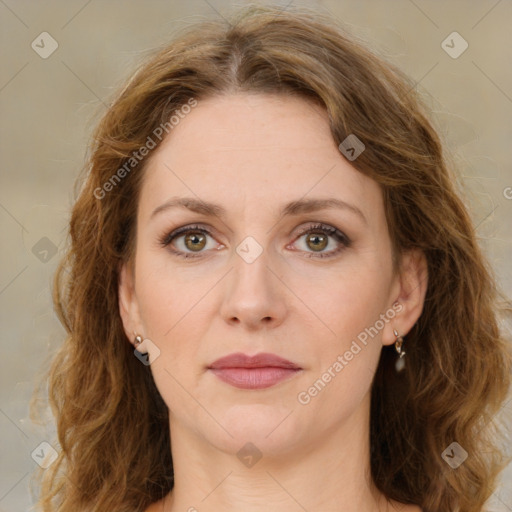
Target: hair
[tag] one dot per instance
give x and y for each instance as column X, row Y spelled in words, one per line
column 112, row 423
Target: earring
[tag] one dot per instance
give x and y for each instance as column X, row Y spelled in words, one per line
column 400, row 362
column 137, row 340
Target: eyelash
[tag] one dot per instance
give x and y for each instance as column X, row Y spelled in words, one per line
column 316, row 228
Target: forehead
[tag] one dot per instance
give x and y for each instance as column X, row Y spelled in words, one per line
column 255, row 148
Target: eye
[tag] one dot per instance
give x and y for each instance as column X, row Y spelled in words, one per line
column 317, row 239
column 190, row 241
column 187, row 238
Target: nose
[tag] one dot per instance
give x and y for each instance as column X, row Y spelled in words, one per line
column 254, row 294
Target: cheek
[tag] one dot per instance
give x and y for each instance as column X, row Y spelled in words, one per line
column 346, row 301
column 174, row 319
column 349, row 304
column 167, row 297
column 350, row 349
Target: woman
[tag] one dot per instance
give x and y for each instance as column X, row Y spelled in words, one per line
column 275, row 299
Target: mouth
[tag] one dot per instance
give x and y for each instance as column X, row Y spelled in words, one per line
column 253, row 372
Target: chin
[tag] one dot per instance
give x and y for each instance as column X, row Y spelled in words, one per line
column 269, row 427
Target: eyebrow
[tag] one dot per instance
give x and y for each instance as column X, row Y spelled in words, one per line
column 292, row 208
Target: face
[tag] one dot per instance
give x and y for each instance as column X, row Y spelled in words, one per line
column 267, row 269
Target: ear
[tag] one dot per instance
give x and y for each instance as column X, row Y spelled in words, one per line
column 128, row 304
column 409, row 292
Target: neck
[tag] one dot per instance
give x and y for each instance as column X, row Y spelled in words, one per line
column 329, row 473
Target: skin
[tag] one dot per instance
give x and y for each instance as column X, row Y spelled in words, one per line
column 252, row 154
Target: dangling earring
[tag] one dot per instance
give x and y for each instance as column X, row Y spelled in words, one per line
column 400, row 362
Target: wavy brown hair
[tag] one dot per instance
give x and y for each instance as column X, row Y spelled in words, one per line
column 112, row 423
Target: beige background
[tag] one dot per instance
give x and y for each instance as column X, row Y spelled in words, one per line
column 49, row 105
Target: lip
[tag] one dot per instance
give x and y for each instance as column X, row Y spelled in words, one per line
column 253, row 372
column 262, row 360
